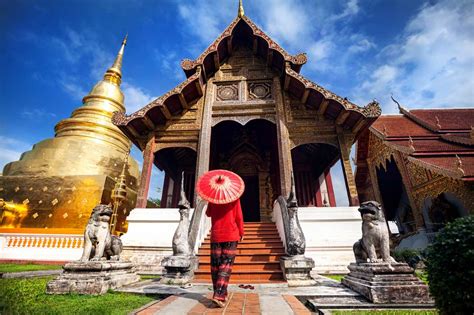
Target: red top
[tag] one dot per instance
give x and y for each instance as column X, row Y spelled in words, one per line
column 227, row 221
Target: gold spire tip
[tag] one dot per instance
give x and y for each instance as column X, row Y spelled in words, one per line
column 124, row 42
column 240, row 13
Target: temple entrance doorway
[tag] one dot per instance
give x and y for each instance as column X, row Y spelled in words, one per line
column 311, row 168
column 394, row 197
column 250, row 151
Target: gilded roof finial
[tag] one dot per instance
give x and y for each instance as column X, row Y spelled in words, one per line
column 241, row 9
column 411, row 143
column 116, row 69
column 459, row 165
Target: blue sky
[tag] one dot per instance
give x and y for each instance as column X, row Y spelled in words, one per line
column 53, row 52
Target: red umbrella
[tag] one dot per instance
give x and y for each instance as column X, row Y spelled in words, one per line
column 220, row 186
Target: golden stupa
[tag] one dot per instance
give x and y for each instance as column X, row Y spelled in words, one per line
column 56, row 184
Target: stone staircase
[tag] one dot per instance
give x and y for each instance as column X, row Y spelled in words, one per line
column 257, row 260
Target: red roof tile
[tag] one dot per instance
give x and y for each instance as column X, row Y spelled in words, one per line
column 448, row 119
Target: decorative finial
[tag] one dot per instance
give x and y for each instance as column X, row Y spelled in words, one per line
column 114, row 73
column 183, row 201
column 241, row 10
column 437, row 122
column 410, row 143
column 400, row 107
column 459, row 165
column 292, row 202
column 125, row 162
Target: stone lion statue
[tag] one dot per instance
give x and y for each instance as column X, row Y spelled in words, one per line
column 99, row 244
column 374, row 244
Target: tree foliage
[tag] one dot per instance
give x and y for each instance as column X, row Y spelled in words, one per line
column 450, row 266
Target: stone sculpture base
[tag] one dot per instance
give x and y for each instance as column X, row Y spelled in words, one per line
column 179, row 269
column 296, row 270
column 93, row 277
column 387, row 283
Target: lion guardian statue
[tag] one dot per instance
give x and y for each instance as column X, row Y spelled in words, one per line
column 374, row 244
column 99, row 244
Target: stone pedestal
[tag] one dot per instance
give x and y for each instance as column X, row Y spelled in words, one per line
column 296, row 270
column 179, row 269
column 93, row 277
column 384, row 283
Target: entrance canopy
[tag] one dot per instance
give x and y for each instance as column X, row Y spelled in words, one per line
column 243, row 32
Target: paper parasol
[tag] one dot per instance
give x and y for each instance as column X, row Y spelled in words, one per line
column 220, row 186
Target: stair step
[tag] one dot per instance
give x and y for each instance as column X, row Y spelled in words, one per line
column 258, row 245
column 248, row 251
column 254, row 238
column 243, row 275
column 252, row 241
column 246, row 266
column 204, row 258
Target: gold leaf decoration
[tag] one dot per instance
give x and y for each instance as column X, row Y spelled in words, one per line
column 35, row 215
column 17, row 189
column 54, row 202
column 45, row 188
column 50, row 215
column 26, row 201
column 40, row 202
column 65, row 215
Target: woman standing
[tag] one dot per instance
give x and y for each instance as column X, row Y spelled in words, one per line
column 222, row 189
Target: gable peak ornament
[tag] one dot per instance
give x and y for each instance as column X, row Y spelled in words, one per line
column 240, row 12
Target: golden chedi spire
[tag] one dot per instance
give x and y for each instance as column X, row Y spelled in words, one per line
column 62, row 178
column 240, row 12
column 87, row 142
column 93, row 119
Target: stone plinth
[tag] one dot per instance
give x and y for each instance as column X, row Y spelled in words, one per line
column 93, row 277
column 296, row 270
column 149, row 238
column 387, row 283
column 179, row 269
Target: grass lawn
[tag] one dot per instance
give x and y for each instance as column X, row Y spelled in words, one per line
column 385, row 312
column 335, row 277
column 150, row 277
column 28, row 296
column 26, row 267
column 422, row 275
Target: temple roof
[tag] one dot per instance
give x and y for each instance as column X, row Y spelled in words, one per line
column 242, row 31
column 440, row 140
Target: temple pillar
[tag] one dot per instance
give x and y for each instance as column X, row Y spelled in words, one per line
column 204, row 145
column 345, row 148
column 284, row 151
column 148, row 159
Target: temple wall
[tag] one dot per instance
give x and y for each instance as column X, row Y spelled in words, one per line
column 330, row 233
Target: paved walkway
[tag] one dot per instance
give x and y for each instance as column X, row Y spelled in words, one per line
column 238, row 303
column 272, row 298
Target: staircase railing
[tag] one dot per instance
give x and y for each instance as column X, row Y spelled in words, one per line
column 285, row 215
column 200, row 226
column 280, row 217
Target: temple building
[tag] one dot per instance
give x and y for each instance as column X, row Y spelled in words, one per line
column 420, row 166
column 53, row 188
column 245, row 107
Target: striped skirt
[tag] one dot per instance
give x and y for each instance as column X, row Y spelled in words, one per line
column 222, row 259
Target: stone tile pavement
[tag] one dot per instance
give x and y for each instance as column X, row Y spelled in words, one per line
column 238, row 303
column 271, row 298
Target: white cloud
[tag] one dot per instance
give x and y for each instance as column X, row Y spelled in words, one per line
column 432, row 64
column 11, row 150
column 135, row 97
column 37, row 113
column 339, row 185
